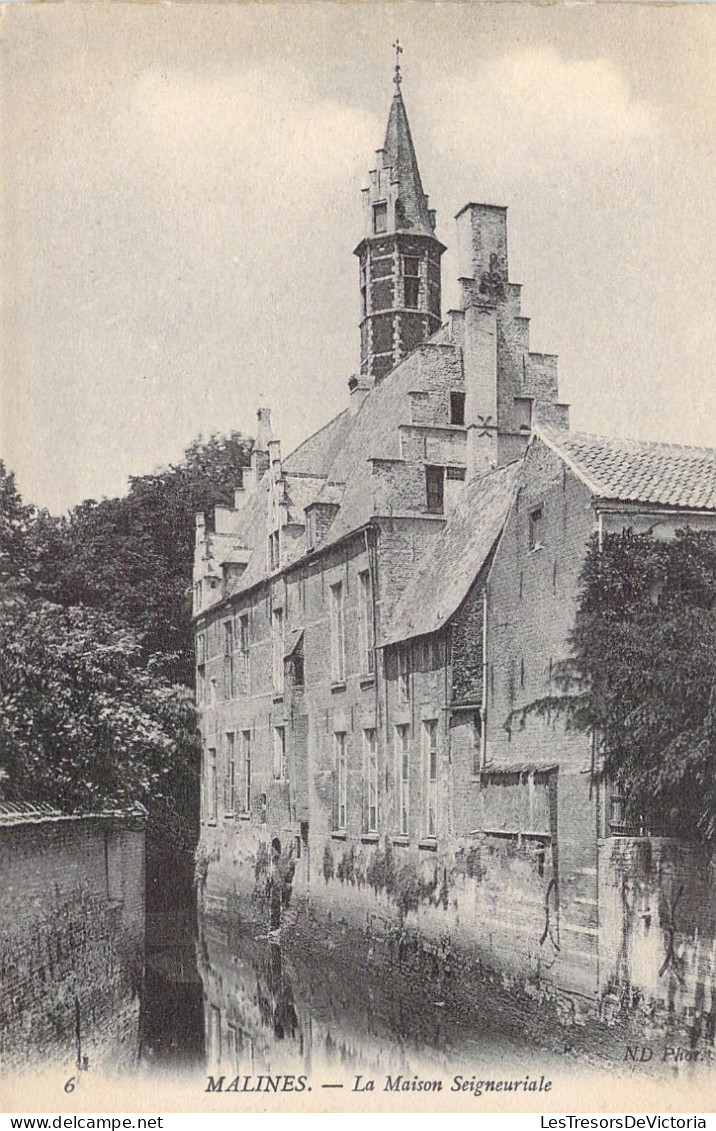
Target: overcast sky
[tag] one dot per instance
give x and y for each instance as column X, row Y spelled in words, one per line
column 181, row 199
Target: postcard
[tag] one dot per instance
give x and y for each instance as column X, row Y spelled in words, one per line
column 358, row 559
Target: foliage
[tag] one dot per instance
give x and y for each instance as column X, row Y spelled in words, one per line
column 133, row 556
column 84, row 723
column 642, row 675
column 96, row 651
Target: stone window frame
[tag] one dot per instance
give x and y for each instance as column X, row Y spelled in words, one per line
column 340, row 796
column 338, row 633
column 434, row 488
column 430, row 777
column 277, row 649
column 402, row 779
column 245, row 779
column 280, row 768
column 244, row 646
column 229, row 669
column 370, row 779
column 230, row 774
column 534, row 534
column 365, row 590
column 457, row 407
column 212, row 799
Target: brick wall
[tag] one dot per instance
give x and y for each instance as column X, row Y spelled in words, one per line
column 72, row 942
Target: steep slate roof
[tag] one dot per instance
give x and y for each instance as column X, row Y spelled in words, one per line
column 446, row 571
column 316, row 454
column 400, row 155
column 640, row 471
column 339, row 454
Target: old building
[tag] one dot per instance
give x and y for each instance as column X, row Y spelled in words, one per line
column 378, row 603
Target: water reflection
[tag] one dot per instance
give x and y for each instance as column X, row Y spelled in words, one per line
column 333, row 999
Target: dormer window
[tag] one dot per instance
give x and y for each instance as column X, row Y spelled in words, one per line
column 380, row 218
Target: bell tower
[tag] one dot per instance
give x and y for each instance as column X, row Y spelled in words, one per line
column 399, row 254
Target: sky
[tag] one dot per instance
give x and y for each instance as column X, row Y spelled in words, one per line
column 181, row 199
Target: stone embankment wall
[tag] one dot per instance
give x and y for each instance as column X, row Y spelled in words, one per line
column 658, row 930
column 71, row 942
column 492, row 909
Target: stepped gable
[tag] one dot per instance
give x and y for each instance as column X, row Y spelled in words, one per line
column 445, row 573
column 642, row 471
column 375, row 435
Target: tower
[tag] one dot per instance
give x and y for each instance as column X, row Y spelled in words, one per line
column 399, row 254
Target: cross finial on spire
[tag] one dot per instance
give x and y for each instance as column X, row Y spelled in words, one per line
column 397, row 78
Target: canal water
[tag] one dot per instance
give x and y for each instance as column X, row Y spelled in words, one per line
column 328, row 1000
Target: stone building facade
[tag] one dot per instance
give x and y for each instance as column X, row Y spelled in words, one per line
column 378, row 605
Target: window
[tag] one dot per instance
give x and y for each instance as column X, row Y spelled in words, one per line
column 232, row 1046
column 338, row 632
column 299, row 674
column 244, row 650
column 477, row 743
column 434, row 489
column 200, row 683
column 457, row 408
column 340, row 800
column 197, row 597
column 411, row 281
column 404, row 674
column 430, row 770
column 370, row 779
column 402, row 778
column 535, row 531
column 274, row 549
column 310, row 528
column 246, row 771
column 277, row 645
column 380, row 218
column 215, row 1036
column 454, row 479
column 200, row 648
column 230, row 778
column 211, row 785
column 366, row 620
column 228, row 660
column 279, row 754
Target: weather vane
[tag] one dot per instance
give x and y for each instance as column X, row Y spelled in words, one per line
column 398, row 52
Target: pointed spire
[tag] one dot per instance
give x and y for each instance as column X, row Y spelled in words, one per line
column 411, row 210
column 399, row 253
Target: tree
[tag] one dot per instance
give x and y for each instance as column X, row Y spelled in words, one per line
column 15, row 522
column 133, row 556
column 642, row 674
column 96, row 644
column 85, row 723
